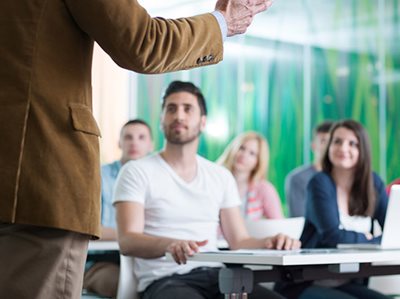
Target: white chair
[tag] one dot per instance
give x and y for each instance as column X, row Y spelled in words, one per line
column 389, row 285
column 127, row 285
column 270, row 227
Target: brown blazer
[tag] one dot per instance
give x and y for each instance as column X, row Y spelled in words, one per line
column 49, row 154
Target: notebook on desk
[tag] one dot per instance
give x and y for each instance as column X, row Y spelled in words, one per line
column 390, row 238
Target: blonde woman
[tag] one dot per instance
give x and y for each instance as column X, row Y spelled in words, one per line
column 247, row 157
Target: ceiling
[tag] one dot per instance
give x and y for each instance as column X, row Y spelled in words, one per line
column 349, row 25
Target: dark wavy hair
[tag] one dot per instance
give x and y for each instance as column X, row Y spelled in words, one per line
column 179, row 86
column 362, row 194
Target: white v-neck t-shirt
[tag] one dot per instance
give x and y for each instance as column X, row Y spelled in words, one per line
column 175, row 208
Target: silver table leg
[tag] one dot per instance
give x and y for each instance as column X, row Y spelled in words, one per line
column 236, row 282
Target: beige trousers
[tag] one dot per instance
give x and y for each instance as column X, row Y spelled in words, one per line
column 40, row 262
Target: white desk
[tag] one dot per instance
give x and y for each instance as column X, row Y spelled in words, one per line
column 103, row 245
column 298, row 257
column 113, row 245
column 296, row 266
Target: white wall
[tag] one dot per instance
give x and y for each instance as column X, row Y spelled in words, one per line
column 110, row 102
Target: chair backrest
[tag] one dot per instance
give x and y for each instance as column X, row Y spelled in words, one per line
column 127, row 284
column 271, row 227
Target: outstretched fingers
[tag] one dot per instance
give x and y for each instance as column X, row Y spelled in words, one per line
column 257, row 6
column 239, row 13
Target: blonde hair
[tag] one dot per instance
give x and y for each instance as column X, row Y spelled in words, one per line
column 260, row 171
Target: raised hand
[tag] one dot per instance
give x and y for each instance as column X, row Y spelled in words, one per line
column 239, row 13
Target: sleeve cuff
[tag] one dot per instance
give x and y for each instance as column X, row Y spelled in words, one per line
column 222, row 23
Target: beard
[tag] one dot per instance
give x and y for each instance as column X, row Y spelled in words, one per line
column 183, row 137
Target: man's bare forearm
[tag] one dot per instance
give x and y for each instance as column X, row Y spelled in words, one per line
column 248, row 243
column 143, row 246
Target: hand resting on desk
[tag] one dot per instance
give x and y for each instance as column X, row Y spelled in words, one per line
column 236, row 235
column 281, row 241
column 181, row 249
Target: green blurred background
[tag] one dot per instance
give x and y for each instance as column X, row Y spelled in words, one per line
column 304, row 62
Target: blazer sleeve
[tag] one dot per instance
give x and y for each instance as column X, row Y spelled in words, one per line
column 322, row 211
column 138, row 42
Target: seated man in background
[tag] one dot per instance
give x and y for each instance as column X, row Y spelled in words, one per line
column 173, row 202
column 296, row 181
column 135, row 142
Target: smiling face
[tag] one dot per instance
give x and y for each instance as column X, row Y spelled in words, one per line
column 344, row 149
column 348, row 161
column 247, row 156
column 181, row 118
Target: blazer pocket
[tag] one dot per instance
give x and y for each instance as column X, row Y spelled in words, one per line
column 83, row 120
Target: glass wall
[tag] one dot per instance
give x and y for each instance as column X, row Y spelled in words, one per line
column 302, row 62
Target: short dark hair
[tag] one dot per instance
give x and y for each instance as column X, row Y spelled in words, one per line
column 324, row 127
column 180, row 86
column 138, row 121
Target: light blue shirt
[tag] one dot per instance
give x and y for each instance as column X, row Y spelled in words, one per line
column 109, row 173
column 222, row 23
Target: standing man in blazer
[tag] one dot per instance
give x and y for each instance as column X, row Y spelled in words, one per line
column 49, row 155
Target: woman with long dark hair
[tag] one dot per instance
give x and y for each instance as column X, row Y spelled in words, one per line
column 343, row 201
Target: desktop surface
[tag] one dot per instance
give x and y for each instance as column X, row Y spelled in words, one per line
column 304, row 265
column 297, row 257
